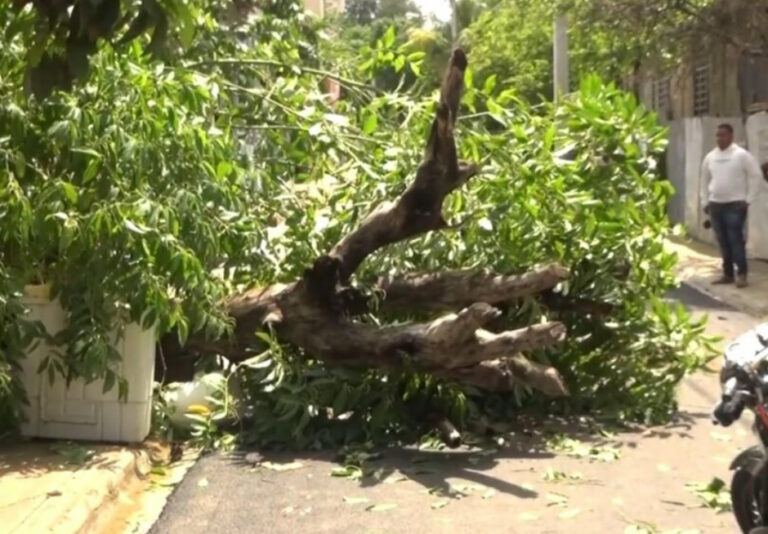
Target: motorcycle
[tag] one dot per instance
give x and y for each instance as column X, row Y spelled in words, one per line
column 744, row 381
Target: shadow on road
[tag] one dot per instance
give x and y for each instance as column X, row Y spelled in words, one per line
column 435, row 469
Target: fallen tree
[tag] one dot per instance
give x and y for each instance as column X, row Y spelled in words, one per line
column 318, row 312
column 233, row 162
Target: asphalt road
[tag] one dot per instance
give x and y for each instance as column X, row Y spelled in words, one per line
column 504, row 492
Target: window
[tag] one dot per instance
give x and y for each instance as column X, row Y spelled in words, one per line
column 662, row 98
column 701, row 90
column 753, row 81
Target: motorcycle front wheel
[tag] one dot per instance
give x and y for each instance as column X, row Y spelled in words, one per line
column 747, row 489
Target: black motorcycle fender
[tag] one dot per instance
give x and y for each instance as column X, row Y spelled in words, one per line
column 748, row 458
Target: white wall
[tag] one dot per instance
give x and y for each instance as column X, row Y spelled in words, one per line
column 757, row 141
column 699, row 139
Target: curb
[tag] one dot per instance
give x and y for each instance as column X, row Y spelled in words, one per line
column 739, row 299
column 73, row 502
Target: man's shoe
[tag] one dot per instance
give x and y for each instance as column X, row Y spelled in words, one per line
column 741, row 281
column 723, row 281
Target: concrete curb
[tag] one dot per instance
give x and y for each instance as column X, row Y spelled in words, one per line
column 740, row 299
column 66, row 500
column 698, row 264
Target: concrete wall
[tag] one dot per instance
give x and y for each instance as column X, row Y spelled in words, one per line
column 757, row 140
column 676, row 171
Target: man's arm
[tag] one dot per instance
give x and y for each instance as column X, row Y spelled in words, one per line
column 754, row 176
column 706, row 177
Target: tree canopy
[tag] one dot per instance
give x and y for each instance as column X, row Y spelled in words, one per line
column 512, row 39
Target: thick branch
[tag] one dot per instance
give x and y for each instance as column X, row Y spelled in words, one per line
column 418, row 209
column 314, row 312
column 505, row 374
column 456, row 289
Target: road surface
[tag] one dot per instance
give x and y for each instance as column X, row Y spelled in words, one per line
column 511, row 491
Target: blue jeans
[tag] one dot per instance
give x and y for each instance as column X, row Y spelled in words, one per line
column 728, row 221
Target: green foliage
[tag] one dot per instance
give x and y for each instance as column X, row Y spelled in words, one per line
column 153, row 190
column 396, row 30
column 513, row 41
column 578, row 185
column 300, row 402
column 714, row 495
column 126, row 195
column 61, row 36
column 614, row 39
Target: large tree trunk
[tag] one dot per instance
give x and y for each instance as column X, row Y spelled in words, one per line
column 317, row 313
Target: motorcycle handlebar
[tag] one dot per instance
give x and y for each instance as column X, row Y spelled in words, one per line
column 729, row 410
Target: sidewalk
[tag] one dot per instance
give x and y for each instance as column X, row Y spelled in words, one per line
column 47, row 487
column 699, row 264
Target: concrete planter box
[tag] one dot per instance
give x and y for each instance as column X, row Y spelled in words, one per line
column 82, row 411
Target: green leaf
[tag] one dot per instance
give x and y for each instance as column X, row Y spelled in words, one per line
column 109, row 381
column 371, row 123
column 399, row 63
column 442, row 503
column 489, row 85
column 223, row 169
column 133, row 227
column 69, row 191
column 381, row 507
column 469, row 78
column 91, row 170
column 389, row 37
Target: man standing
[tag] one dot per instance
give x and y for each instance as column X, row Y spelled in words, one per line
column 730, row 177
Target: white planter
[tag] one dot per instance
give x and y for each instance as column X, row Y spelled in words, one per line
column 83, row 412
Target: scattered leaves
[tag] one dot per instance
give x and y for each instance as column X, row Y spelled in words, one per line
column 381, row 507
column 719, row 436
column 555, row 475
column 714, row 495
column 73, row 453
column 291, row 466
column 442, row 503
column 569, row 514
column 356, row 500
column 395, row 477
column 556, row 499
column 578, row 449
column 350, row 472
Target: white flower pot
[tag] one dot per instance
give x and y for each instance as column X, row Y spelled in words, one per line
column 82, row 411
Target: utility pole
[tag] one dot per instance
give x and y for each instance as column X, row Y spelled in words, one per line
column 454, row 22
column 562, row 86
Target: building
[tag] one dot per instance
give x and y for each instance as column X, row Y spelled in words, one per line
column 324, row 7
column 723, row 83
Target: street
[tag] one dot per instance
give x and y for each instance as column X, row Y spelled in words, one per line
column 532, row 484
